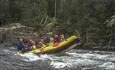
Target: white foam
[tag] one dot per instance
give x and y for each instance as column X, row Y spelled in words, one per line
column 33, row 57
column 69, row 62
column 85, row 56
column 94, row 56
column 71, row 53
column 30, row 57
column 75, row 59
column 108, row 65
column 84, row 59
column 58, row 64
column 45, row 57
column 82, row 62
column 111, row 58
column 105, row 57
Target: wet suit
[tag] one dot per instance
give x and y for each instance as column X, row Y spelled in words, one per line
column 20, row 46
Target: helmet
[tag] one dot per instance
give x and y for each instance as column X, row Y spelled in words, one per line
column 55, row 35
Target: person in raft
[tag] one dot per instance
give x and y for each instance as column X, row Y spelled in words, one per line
column 47, row 40
column 51, row 41
column 42, row 42
column 28, row 46
column 56, row 40
column 20, row 45
column 62, row 38
column 33, row 43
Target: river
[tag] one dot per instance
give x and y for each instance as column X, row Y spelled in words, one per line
column 77, row 59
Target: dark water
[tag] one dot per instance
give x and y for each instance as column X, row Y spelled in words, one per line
column 71, row 60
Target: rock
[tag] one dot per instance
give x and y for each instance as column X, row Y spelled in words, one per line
column 11, row 33
column 111, row 22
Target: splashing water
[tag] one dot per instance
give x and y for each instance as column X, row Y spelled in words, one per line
column 77, row 58
column 108, row 65
column 30, row 57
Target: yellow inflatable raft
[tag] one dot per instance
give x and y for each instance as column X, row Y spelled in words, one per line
column 60, row 47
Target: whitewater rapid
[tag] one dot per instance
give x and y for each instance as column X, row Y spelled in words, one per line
column 83, row 59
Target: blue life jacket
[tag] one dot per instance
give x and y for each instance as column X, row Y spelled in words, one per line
column 20, row 46
column 47, row 40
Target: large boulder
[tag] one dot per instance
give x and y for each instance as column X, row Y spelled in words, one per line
column 11, row 33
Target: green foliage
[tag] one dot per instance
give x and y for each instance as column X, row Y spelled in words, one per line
column 86, row 16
